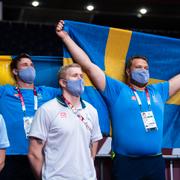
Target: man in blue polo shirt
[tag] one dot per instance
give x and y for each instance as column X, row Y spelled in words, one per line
column 18, row 105
column 137, row 111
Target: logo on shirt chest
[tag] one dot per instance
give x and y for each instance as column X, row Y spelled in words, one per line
column 133, row 98
column 63, row 115
column 16, row 95
column 39, row 96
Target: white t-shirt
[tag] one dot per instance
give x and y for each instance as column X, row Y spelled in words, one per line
column 4, row 142
column 67, row 141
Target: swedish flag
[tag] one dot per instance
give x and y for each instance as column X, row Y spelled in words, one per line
column 109, row 48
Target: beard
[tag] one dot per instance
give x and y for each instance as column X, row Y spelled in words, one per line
column 136, row 83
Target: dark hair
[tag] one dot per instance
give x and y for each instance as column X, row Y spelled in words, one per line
column 130, row 60
column 15, row 61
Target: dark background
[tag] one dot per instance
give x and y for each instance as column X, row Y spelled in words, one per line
column 25, row 28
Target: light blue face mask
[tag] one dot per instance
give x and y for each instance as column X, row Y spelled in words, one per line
column 27, row 75
column 140, row 75
column 75, row 87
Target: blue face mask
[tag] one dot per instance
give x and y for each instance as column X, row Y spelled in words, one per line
column 75, row 87
column 27, row 75
column 140, row 76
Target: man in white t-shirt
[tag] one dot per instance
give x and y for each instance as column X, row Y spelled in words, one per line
column 65, row 132
column 4, row 142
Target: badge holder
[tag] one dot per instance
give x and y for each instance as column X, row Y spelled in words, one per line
column 149, row 121
column 27, row 124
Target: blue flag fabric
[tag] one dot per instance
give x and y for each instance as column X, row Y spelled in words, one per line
column 110, row 48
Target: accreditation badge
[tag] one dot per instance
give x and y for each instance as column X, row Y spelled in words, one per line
column 149, row 121
column 27, row 124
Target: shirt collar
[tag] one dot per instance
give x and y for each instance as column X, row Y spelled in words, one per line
column 61, row 101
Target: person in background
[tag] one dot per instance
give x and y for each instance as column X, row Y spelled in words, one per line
column 65, row 132
column 17, row 105
column 136, row 137
column 4, row 142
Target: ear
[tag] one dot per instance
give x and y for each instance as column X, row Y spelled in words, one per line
column 128, row 72
column 15, row 72
column 62, row 83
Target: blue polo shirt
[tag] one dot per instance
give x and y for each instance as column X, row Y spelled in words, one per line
column 11, row 109
column 129, row 136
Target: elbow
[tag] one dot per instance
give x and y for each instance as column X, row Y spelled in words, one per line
column 90, row 69
column 30, row 155
column 34, row 157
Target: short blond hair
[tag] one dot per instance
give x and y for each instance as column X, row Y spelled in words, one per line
column 62, row 71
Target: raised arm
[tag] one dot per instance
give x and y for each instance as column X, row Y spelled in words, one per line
column 174, row 85
column 35, row 156
column 96, row 75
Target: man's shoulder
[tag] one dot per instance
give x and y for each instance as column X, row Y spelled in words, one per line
column 49, row 104
column 157, row 85
column 48, row 91
column 114, row 80
column 51, row 107
column 46, row 88
column 6, row 88
column 89, row 106
column 86, row 103
column 115, row 84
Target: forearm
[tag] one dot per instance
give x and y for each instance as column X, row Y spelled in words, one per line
column 96, row 75
column 36, row 164
column 174, row 85
column 35, row 156
column 94, row 149
column 77, row 53
column 2, row 159
column 1, row 165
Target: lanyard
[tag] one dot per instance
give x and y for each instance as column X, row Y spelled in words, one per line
column 139, row 100
column 75, row 111
column 22, row 99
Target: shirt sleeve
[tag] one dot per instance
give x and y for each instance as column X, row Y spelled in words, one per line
column 112, row 89
column 163, row 89
column 40, row 125
column 4, row 142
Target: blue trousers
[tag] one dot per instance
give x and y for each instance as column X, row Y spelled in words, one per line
column 138, row 168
